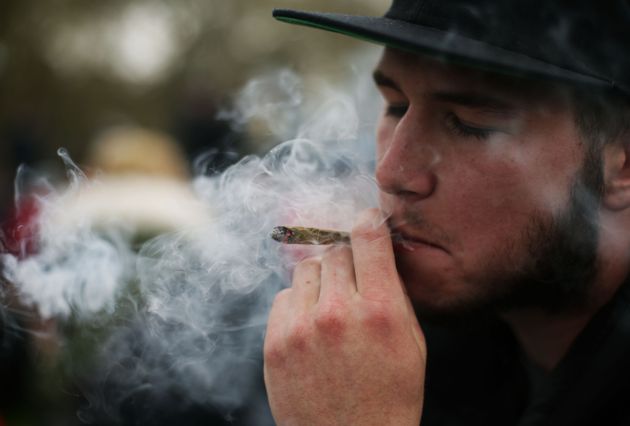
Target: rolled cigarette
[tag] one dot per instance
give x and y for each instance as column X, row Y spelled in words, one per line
column 311, row 236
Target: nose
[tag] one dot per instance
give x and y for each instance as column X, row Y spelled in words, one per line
column 406, row 162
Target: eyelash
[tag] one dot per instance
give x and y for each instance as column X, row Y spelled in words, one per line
column 453, row 123
column 458, row 127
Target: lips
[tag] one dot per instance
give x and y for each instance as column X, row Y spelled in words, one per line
column 407, row 241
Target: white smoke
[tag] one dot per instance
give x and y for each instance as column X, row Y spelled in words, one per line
column 77, row 268
column 185, row 312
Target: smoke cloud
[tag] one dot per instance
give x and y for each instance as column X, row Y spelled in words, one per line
column 181, row 317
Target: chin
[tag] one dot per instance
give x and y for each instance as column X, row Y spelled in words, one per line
column 432, row 291
column 437, row 295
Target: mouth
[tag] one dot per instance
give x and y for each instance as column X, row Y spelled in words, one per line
column 406, row 241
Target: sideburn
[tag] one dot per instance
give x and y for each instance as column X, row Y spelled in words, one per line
column 563, row 253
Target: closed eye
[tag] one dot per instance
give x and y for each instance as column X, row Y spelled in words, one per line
column 460, row 128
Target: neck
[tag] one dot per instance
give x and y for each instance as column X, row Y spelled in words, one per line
column 547, row 337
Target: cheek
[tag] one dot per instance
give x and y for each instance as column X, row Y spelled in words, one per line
column 488, row 199
column 517, row 178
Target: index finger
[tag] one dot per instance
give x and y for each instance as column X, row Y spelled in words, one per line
column 373, row 254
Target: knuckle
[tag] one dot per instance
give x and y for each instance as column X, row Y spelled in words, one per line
column 274, row 354
column 282, row 295
column 332, row 319
column 298, row 336
column 306, row 270
column 379, row 319
column 337, row 253
column 280, row 298
column 306, row 265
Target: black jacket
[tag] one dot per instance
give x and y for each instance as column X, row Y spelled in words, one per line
column 476, row 376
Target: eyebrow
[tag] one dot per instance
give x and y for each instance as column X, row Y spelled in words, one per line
column 475, row 100
column 468, row 99
column 381, row 80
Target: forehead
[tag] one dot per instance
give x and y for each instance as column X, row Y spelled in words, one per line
column 413, row 73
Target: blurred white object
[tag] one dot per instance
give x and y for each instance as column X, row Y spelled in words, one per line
column 143, row 203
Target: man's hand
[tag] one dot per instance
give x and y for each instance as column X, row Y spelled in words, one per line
column 343, row 346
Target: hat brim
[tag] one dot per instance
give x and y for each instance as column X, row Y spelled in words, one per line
column 435, row 42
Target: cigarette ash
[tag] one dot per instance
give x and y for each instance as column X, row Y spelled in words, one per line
column 180, row 319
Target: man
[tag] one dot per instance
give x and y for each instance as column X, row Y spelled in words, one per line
column 503, row 160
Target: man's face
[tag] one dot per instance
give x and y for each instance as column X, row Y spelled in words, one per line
column 487, row 182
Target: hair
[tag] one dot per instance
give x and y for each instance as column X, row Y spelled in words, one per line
column 602, row 118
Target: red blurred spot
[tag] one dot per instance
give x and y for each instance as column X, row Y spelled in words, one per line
column 20, row 229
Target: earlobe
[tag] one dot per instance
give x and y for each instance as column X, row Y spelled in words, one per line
column 617, row 177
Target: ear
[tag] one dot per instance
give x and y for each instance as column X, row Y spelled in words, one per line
column 617, row 176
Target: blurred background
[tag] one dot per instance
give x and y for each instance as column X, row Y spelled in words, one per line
column 132, row 85
column 71, row 68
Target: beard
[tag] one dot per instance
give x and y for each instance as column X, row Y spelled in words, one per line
column 558, row 262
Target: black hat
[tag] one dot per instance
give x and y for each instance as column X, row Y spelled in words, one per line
column 584, row 42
